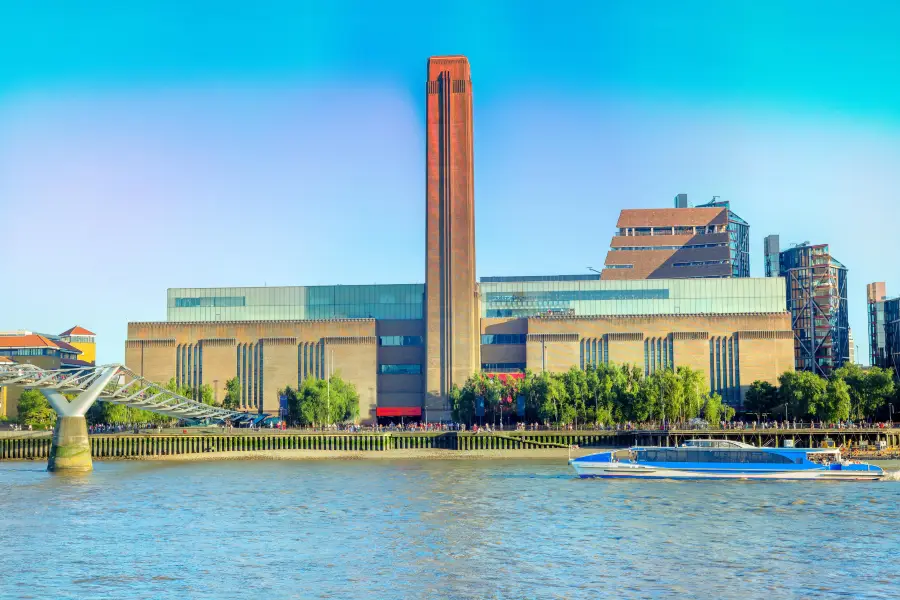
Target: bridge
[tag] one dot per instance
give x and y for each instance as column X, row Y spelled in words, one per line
column 70, row 448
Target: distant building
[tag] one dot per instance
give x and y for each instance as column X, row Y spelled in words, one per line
column 817, row 300
column 884, row 327
column 772, row 248
column 42, row 350
column 83, row 340
column 679, row 243
column 852, row 344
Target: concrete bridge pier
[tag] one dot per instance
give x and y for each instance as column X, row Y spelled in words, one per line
column 70, row 449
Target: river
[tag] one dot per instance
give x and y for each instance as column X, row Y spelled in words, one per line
column 435, row 529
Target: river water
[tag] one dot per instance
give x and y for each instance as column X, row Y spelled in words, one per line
column 435, row 529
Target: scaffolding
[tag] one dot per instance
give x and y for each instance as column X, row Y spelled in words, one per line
column 817, row 301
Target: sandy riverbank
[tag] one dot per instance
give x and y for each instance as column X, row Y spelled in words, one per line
column 409, row 454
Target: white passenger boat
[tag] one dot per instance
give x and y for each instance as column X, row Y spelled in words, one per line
column 725, row 459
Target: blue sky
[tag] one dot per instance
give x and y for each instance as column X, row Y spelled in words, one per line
column 148, row 145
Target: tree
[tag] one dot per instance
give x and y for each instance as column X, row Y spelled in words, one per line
column 834, row 404
column 712, row 409
column 232, row 400
column 761, row 398
column 869, row 389
column 206, row 395
column 35, row 410
column 693, row 384
column 322, row 402
column 802, row 391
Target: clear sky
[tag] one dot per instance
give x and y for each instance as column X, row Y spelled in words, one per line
column 168, row 143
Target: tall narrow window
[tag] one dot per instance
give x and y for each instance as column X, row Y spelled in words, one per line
column 262, row 375
column 178, row 365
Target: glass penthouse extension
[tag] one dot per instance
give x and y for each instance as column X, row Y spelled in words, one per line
column 525, row 297
column 398, row 301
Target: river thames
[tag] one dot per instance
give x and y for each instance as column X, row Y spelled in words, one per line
column 435, row 529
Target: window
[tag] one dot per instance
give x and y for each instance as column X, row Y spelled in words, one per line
column 400, row 369
column 503, row 367
column 679, row 455
column 700, row 263
column 684, row 247
column 503, row 338
column 574, row 295
column 211, row 301
column 401, row 340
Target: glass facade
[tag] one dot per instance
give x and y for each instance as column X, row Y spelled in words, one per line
column 413, row 369
column 595, row 297
column 817, row 299
column 401, row 340
column 397, row 301
column 503, row 338
column 738, row 239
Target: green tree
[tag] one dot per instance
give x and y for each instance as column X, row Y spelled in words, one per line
column 321, row 402
column 206, row 395
column 869, row 389
column 232, row 400
column 35, row 410
column 834, row 404
column 693, row 386
column 802, row 391
column 712, row 410
column 761, row 398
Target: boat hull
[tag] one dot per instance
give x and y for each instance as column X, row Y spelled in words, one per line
column 631, row 471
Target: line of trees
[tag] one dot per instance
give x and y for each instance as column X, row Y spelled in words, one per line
column 318, row 402
column 602, row 395
column 850, row 393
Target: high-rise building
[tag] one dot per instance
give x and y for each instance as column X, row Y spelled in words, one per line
column 817, row 299
column 451, row 305
column 852, row 344
column 772, row 248
column 679, row 243
column 884, row 327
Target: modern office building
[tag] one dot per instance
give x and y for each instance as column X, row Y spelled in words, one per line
column 884, row 327
column 852, row 344
column 817, row 301
column 405, row 345
column 772, row 248
column 709, row 240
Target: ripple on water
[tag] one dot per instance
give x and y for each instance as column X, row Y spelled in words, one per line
column 454, row 529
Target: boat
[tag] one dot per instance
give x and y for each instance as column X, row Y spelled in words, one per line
column 725, row 459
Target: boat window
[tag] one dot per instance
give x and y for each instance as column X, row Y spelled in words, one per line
column 686, row 455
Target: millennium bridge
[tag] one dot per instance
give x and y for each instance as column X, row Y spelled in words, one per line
column 70, row 448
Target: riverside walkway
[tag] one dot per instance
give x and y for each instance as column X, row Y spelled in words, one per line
column 35, row 445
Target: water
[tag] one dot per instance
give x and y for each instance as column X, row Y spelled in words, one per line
column 430, row 529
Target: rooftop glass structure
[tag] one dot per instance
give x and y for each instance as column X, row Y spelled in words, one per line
column 395, row 301
column 527, row 297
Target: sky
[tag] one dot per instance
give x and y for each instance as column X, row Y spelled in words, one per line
column 147, row 145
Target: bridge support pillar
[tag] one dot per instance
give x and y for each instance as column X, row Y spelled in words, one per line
column 71, row 448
